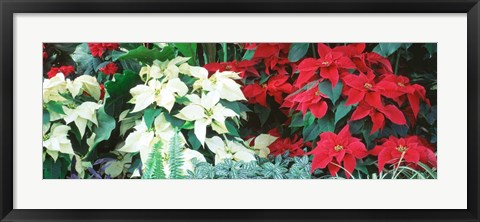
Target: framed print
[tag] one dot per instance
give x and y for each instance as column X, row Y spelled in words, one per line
column 241, row 111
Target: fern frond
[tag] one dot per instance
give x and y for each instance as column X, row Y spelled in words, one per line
column 175, row 160
column 154, row 164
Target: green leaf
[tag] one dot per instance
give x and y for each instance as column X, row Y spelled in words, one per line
column 145, row 55
column 188, row 125
column 431, row 49
column 297, row 120
column 297, row 51
column 106, row 124
column 176, row 123
column 263, row 113
column 119, row 92
column 46, row 117
column 232, row 130
column 56, row 107
column 312, row 131
column 333, row 93
column 175, row 160
column 154, row 165
column 192, row 139
column 86, row 63
column 248, row 54
column 341, row 111
column 386, row 49
column 188, row 50
column 149, row 115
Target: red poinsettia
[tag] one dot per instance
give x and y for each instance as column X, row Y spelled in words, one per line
column 371, row 61
column 409, row 150
column 109, row 69
column 361, row 88
column 65, row 70
column 329, row 63
column 97, row 49
column 294, row 145
column 274, row 56
column 102, row 91
column 378, row 114
column 245, row 68
column 276, row 86
column 398, row 88
column 334, row 150
column 311, row 99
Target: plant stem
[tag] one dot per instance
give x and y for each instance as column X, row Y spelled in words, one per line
column 314, row 54
column 397, row 61
column 398, row 165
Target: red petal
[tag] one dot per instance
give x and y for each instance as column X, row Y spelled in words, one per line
column 349, row 163
column 354, row 96
column 394, row 114
column 378, row 121
column 360, row 112
column 374, row 99
column 330, row 73
column 319, row 109
column 414, row 103
column 411, row 156
column 323, row 50
column 333, row 169
column 345, row 62
column 358, row 149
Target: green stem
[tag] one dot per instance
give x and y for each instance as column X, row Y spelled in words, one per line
column 397, row 61
column 313, row 51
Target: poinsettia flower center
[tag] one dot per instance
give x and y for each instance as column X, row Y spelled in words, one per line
column 400, row 84
column 338, row 148
column 317, row 93
column 228, row 67
column 367, row 86
column 71, row 106
column 46, row 137
column 208, row 112
column 402, row 148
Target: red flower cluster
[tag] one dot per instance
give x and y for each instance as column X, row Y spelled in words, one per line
column 97, row 49
column 334, row 150
column 311, row 99
column 273, row 55
column 109, row 69
column 331, row 63
column 294, row 145
column 410, row 151
column 276, row 86
column 65, row 70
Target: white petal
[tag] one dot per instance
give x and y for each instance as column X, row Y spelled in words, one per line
column 176, row 85
column 244, row 156
column 143, row 96
column 191, row 112
column 264, row 140
column 200, row 130
column 210, row 100
column 215, row 144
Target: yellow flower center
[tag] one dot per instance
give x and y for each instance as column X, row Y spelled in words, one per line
column 325, row 63
column 208, row 112
column 228, row 67
column 400, row 84
column 367, row 85
column 264, row 85
column 71, row 106
column 402, row 149
column 337, row 148
column 317, row 93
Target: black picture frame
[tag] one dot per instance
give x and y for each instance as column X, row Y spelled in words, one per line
column 10, row 7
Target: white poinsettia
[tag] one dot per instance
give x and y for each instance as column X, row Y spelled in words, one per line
column 163, row 94
column 188, row 156
column 85, row 83
column 168, row 69
column 261, row 144
column 56, row 141
column 206, row 111
column 229, row 150
column 221, row 82
column 81, row 115
column 141, row 140
column 53, row 87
